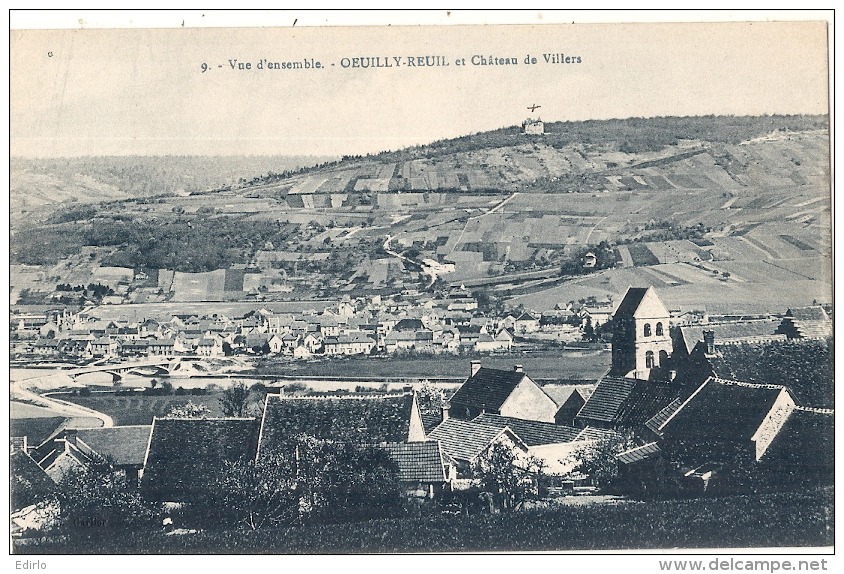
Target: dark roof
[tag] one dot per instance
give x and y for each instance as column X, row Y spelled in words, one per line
column 184, row 455
column 627, row 402
column 126, row 445
column 533, row 433
column 418, row 461
column 804, row 366
column 409, row 325
column 722, row 410
column 487, row 389
column 631, row 301
column 364, row 418
column 639, row 453
column 36, row 430
column 607, row 399
column 465, row 440
column 806, row 440
column 29, row 483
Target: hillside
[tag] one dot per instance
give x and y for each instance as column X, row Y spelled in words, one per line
column 45, row 182
column 723, row 213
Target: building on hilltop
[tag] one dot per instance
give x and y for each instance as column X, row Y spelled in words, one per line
column 533, row 127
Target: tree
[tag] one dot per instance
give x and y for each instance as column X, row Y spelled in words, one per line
column 255, row 493
column 431, row 399
column 99, row 502
column 189, row 410
column 510, row 477
column 227, row 349
column 235, row 400
column 598, row 460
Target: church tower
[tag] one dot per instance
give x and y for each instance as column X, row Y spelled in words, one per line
column 641, row 343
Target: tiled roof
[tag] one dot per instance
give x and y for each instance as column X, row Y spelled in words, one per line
column 815, row 313
column 127, row 445
column 722, row 410
column 806, row 440
column 487, row 389
column 728, row 332
column 185, row 454
column 533, row 433
column 659, row 418
column 804, row 366
column 418, row 461
column 627, row 402
column 631, row 301
column 464, row 440
column 28, row 481
column 409, row 325
column 364, row 418
column 639, row 453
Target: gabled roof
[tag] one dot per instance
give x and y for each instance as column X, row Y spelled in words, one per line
column 626, row 402
column 806, row 440
column 639, row 453
column 184, row 455
column 632, row 298
column 641, row 302
column 36, row 430
column 363, row 418
column 560, row 394
column 418, row 461
column 722, row 410
column 409, row 324
column 487, row 388
column 466, row 440
column 533, row 433
column 126, row 445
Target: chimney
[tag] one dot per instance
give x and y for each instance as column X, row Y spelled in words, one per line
column 518, row 369
column 445, row 409
column 709, row 341
column 474, row 367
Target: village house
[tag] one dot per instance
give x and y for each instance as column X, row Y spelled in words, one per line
column 509, row 393
column 806, row 323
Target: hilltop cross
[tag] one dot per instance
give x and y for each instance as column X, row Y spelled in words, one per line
column 533, row 108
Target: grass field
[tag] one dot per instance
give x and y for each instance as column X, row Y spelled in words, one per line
column 140, row 409
column 585, row 365
column 763, row 521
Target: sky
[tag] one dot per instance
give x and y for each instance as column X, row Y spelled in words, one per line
column 143, row 92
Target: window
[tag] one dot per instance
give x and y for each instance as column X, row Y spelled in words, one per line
column 649, row 360
column 659, row 329
column 647, row 329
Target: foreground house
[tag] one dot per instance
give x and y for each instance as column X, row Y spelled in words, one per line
column 185, row 454
column 625, row 403
column 466, row 441
column 367, row 419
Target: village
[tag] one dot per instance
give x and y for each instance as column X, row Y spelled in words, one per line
column 689, row 406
